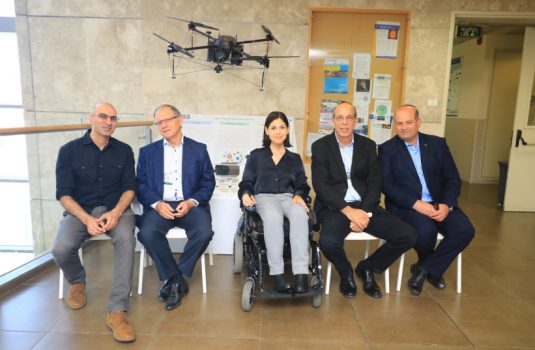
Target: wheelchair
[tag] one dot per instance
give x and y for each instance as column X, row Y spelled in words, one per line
column 250, row 258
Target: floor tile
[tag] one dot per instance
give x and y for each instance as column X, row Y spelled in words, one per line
column 493, row 322
column 191, row 343
column 406, row 320
column 88, row 341
column 308, row 344
column 19, row 340
column 297, row 319
column 410, row 346
column 215, row 314
column 34, row 308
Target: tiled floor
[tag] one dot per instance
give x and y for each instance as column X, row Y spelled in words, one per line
column 495, row 311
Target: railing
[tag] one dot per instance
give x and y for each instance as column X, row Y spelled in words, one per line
column 29, row 211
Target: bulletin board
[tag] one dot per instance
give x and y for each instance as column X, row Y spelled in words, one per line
column 345, row 45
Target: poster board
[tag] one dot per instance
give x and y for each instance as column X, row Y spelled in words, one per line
column 360, row 37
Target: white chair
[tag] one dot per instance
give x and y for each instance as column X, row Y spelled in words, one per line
column 459, row 269
column 359, row 236
column 174, row 233
column 61, row 277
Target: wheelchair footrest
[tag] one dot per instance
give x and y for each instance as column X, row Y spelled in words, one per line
column 314, row 290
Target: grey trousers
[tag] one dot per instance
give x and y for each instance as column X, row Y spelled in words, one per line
column 72, row 233
column 272, row 208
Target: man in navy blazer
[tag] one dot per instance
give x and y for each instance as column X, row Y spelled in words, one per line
column 421, row 186
column 175, row 183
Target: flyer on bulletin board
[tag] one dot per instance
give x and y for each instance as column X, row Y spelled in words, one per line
column 336, row 76
column 386, row 39
column 326, row 113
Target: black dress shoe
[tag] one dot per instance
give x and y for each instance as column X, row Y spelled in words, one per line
column 184, row 287
column 369, row 285
column 301, row 283
column 437, row 282
column 279, row 284
column 416, row 282
column 165, row 289
column 348, row 288
column 175, row 297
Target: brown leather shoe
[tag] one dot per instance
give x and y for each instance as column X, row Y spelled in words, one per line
column 122, row 331
column 77, row 299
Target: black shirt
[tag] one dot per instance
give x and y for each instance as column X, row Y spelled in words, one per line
column 94, row 177
column 261, row 175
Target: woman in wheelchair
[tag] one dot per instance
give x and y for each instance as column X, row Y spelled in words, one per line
column 274, row 181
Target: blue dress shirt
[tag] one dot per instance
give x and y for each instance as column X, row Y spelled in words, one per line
column 414, row 151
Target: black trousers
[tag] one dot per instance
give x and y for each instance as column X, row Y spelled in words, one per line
column 398, row 235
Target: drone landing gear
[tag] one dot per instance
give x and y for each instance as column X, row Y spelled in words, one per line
column 218, row 68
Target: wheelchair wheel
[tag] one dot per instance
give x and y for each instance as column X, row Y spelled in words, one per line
column 247, row 296
column 237, row 253
column 316, row 299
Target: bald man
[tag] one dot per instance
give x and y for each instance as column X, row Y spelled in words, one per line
column 421, row 186
column 95, row 183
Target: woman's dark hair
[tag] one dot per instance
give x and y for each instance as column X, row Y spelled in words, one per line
column 269, row 119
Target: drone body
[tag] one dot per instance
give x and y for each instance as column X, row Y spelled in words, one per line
column 222, row 50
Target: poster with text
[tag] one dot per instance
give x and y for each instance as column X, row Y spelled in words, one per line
column 336, row 76
column 386, row 39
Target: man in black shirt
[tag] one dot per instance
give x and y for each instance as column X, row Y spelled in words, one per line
column 95, row 183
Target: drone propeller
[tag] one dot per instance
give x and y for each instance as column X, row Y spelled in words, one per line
column 194, row 24
column 269, row 34
column 174, row 47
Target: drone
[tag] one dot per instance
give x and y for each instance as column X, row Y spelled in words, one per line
column 223, row 51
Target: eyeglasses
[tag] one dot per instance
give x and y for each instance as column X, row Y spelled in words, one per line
column 104, row 117
column 350, row 118
column 165, row 121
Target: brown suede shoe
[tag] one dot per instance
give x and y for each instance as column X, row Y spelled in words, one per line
column 77, row 299
column 122, row 331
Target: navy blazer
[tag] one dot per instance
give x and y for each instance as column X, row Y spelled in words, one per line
column 198, row 181
column 329, row 176
column 401, row 184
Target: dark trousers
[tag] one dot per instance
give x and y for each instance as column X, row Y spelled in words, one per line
column 398, row 235
column 456, row 229
column 198, row 226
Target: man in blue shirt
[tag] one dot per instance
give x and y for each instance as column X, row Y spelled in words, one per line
column 95, row 183
column 421, row 184
column 176, row 181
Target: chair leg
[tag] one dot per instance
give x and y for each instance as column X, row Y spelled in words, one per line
column 400, row 271
column 60, row 294
column 62, row 277
column 387, row 271
column 459, row 272
column 203, row 273
column 211, row 255
column 142, row 262
column 367, row 249
column 328, row 279
column 387, row 280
